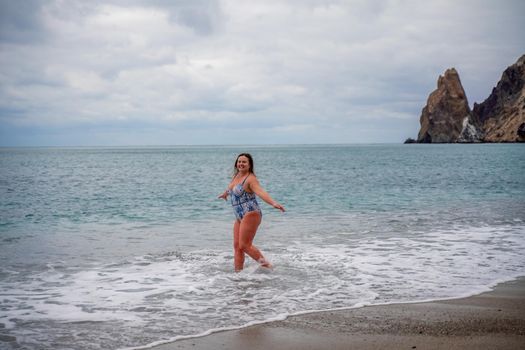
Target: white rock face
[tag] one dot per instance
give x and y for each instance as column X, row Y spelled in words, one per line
column 469, row 133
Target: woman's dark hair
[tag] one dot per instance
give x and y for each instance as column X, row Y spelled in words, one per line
column 250, row 160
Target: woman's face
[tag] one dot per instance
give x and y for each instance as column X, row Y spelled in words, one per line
column 243, row 163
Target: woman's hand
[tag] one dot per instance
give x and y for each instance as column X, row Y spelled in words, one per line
column 224, row 195
column 278, row 206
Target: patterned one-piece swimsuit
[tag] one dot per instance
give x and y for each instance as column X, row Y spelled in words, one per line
column 243, row 202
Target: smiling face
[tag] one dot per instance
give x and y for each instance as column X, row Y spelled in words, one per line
column 243, row 164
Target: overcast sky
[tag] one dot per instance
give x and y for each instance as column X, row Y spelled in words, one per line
column 241, row 72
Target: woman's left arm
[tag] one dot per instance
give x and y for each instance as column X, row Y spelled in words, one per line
column 254, row 186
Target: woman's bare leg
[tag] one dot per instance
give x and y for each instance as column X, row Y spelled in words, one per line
column 247, row 230
column 238, row 253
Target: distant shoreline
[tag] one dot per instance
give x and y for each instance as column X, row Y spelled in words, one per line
column 410, row 141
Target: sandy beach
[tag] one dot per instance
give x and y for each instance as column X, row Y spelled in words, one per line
column 491, row 320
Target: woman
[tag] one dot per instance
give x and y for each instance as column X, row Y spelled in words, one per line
column 242, row 190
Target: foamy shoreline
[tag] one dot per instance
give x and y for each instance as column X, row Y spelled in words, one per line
column 447, row 321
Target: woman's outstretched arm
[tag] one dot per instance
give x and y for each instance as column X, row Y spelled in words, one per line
column 254, row 186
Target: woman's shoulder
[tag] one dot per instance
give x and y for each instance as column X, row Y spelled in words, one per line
column 252, row 178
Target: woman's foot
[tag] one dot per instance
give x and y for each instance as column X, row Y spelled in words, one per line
column 265, row 263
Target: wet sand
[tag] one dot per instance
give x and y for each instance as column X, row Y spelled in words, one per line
column 492, row 320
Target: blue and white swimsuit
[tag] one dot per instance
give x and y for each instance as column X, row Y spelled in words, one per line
column 243, row 202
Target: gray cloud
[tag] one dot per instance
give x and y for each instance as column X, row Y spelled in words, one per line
column 20, row 21
column 272, row 71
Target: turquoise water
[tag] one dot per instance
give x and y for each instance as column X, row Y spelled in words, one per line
column 108, row 248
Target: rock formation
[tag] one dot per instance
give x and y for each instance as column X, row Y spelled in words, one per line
column 500, row 118
column 447, row 113
column 502, row 114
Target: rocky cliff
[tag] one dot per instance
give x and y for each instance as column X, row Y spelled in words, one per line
column 502, row 114
column 500, row 118
column 447, row 112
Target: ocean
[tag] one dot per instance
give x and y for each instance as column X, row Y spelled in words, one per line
column 128, row 247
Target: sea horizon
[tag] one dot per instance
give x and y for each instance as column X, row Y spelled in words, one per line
column 257, row 145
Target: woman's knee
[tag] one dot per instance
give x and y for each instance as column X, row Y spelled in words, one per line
column 244, row 246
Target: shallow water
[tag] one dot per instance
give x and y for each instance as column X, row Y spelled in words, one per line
column 108, row 248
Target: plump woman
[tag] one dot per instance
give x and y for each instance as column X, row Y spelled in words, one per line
column 243, row 191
